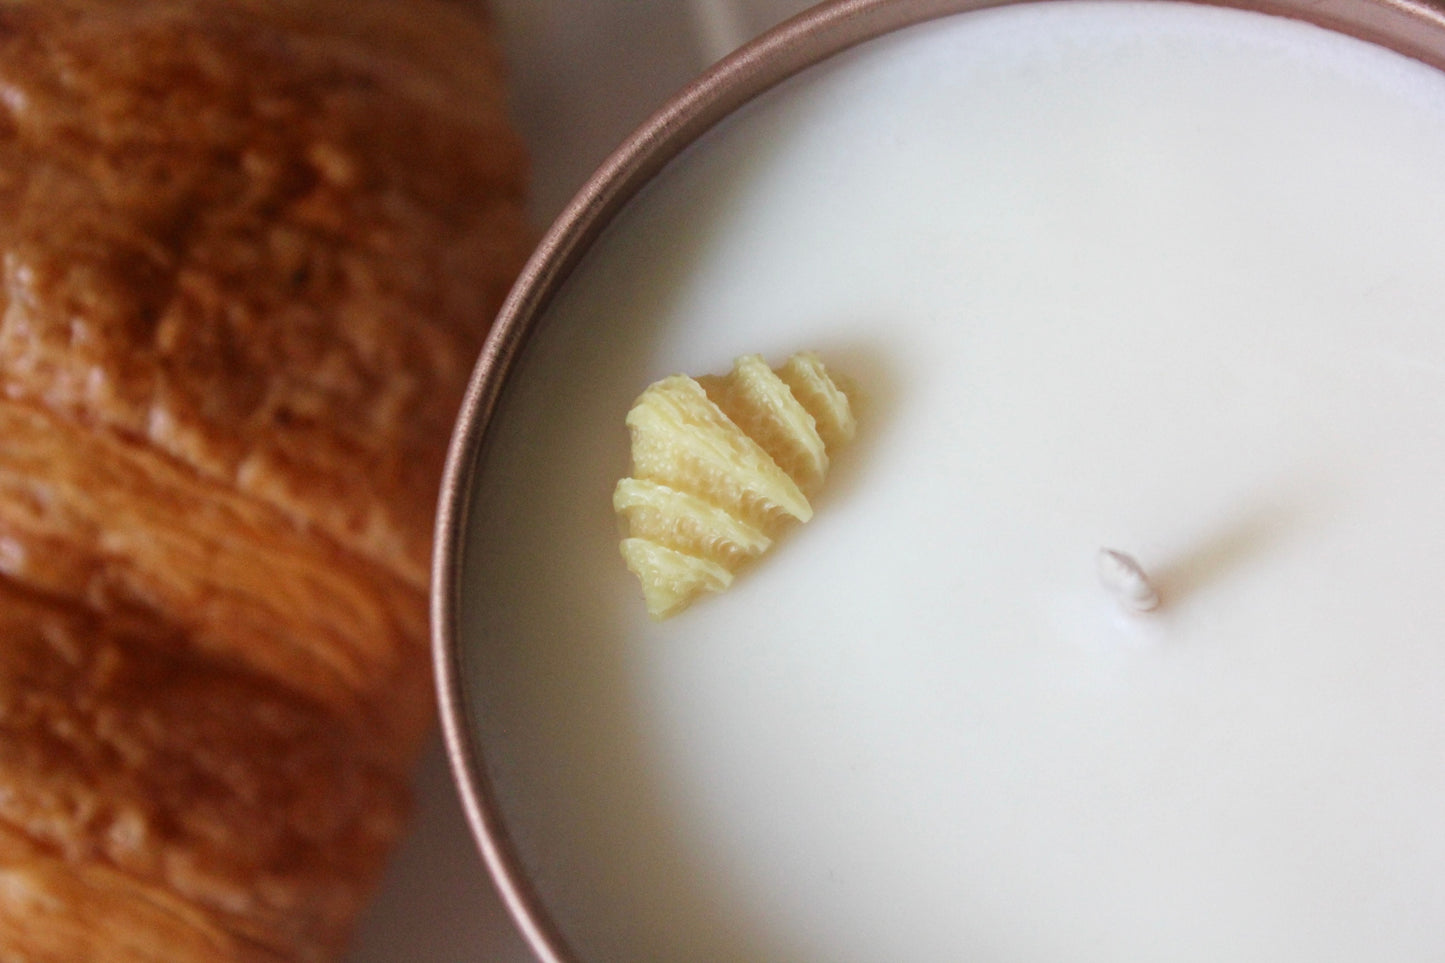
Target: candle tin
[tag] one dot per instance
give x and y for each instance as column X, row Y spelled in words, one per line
column 1416, row 29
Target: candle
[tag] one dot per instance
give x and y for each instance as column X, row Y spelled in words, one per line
column 1161, row 278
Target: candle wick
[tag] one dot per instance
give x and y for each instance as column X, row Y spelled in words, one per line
column 1126, row 579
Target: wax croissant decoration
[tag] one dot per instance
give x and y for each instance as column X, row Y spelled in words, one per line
column 250, row 249
column 720, row 465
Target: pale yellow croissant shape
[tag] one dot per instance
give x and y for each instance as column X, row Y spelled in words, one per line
column 719, row 465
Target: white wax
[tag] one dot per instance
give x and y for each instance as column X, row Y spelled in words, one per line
column 1161, row 278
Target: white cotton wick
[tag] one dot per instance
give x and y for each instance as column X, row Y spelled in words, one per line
column 1123, row 576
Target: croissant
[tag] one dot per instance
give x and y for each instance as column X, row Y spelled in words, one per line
column 249, row 250
column 720, row 464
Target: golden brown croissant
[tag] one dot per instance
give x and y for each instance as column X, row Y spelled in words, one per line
column 249, row 250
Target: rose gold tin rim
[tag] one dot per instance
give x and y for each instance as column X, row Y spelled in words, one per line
column 1415, row 28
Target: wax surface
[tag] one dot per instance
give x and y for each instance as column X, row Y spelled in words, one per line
column 1161, row 278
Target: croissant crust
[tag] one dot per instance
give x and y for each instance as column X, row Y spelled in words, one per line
column 248, row 252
